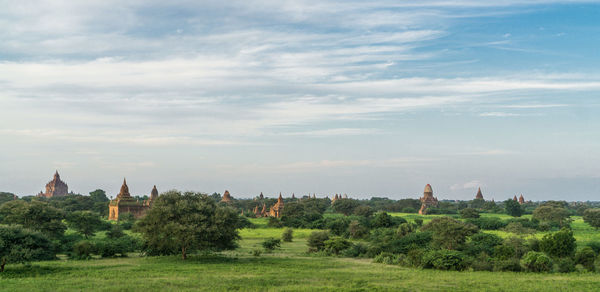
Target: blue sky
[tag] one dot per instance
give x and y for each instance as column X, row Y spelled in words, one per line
column 372, row 98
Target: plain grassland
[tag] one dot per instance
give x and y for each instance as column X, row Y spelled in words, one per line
column 286, row 269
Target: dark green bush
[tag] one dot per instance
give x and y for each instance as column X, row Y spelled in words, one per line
column 482, row 242
column 287, row 235
column 487, row 223
column 316, row 240
column 356, row 250
column 274, row 222
column 83, row 250
column 586, row 257
column 559, row 244
column 469, row 213
column 444, row 260
column 271, row 243
column 336, row 245
column 387, row 258
column 565, row 265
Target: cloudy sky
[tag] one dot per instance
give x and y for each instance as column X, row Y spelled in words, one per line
column 368, row 98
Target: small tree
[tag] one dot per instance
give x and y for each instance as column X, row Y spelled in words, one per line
column 469, row 213
column 336, row 245
column 559, row 244
column 586, row 257
column 345, row 206
column 449, row 233
column 382, row 220
column 271, row 243
column 85, row 222
column 19, row 245
column 537, row 262
column 287, row 235
column 592, row 217
column 316, row 240
column 513, row 208
column 552, row 214
column 188, row 222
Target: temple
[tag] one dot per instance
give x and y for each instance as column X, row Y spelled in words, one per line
column 226, row 197
column 125, row 203
column 521, row 200
column 276, row 209
column 55, row 188
column 428, row 200
column 479, row 195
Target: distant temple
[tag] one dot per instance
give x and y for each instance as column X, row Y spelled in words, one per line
column 335, row 198
column 55, row 188
column 521, row 200
column 428, row 200
column 125, row 203
column 515, row 199
column 479, row 195
column 226, row 197
column 276, row 209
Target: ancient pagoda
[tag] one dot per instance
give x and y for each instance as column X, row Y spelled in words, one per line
column 226, row 197
column 479, row 195
column 275, row 210
column 55, row 188
column 428, row 200
column 125, row 203
column 521, row 200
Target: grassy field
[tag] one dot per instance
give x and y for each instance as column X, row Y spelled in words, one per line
column 286, row 269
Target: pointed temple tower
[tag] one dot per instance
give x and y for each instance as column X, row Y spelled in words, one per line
column 515, row 199
column 479, row 195
column 55, row 188
column 521, row 200
column 276, row 209
column 428, row 200
column 125, row 203
column 226, row 197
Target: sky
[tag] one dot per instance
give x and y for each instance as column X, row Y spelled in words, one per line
column 365, row 98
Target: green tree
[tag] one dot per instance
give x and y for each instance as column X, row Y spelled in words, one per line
column 449, row 233
column 287, row 235
column 364, row 211
column 592, row 217
column 552, row 214
column 382, row 220
column 469, row 213
column 271, row 243
column 559, row 244
column 34, row 215
column 20, row 245
column 513, row 208
column 6, row 197
column 345, row 206
column 85, row 222
column 316, row 240
column 188, row 222
column 100, row 202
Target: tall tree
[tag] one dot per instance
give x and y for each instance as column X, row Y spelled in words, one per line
column 513, row 208
column 592, row 217
column 85, row 222
column 34, row 215
column 449, row 233
column 188, row 222
column 20, row 245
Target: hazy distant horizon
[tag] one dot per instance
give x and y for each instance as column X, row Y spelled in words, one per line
column 365, row 98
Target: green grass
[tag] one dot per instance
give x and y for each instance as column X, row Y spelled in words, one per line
column 287, row 269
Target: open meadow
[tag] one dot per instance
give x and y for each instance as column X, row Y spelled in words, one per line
column 289, row 268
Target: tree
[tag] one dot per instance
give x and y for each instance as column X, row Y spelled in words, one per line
column 469, row 213
column 345, row 206
column 287, row 235
column 85, row 222
column 592, row 217
column 382, row 220
column 100, row 202
column 552, row 214
column 449, row 233
column 6, row 197
column 559, row 244
column 34, row 215
column 316, row 240
column 364, row 211
column 271, row 243
column 188, row 222
column 20, row 245
column 513, row 208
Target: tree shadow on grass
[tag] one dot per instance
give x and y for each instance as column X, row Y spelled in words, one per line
column 29, row 271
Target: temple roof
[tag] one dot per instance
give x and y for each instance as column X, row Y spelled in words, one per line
column 124, row 193
column 154, row 192
column 428, row 189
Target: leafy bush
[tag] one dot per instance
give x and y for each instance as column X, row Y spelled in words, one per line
column 444, row 260
column 469, row 213
column 287, row 235
column 116, row 247
column 487, row 223
column 414, row 257
column 364, row 211
column 482, row 263
column 419, row 222
column 83, row 250
column 559, row 244
column 336, row 245
column 507, row 265
column 449, row 233
column 382, row 220
column 115, row 231
column 483, row 242
column 586, row 257
column 406, row 228
column 357, row 230
column 409, row 210
column 504, row 252
column 271, row 243
column 356, row 250
column 592, row 217
column 537, row 262
column 566, row 265
column 316, row 240
column 595, row 245
column 20, row 245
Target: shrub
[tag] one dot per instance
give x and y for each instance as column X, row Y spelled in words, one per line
column 115, row 231
column 487, row 223
column 336, row 245
column 409, row 210
column 338, row 226
column 419, row 222
column 469, row 213
column 586, row 257
column 483, row 242
column 126, row 220
column 364, row 211
column 406, row 228
column 20, row 245
column 566, row 265
column 595, row 245
column 116, row 247
column 504, row 252
column 559, row 244
column 382, row 220
column 83, row 250
column 482, row 263
column 387, row 258
column 414, row 257
column 449, row 233
column 287, row 235
column 507, row 265
column 513, row 208
column 256, row 252
column 592, row 217
column 356, row 250
column 274, row 222
column 444, row 260
column 271, row 243
column 537, row 262
column 316, row 240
